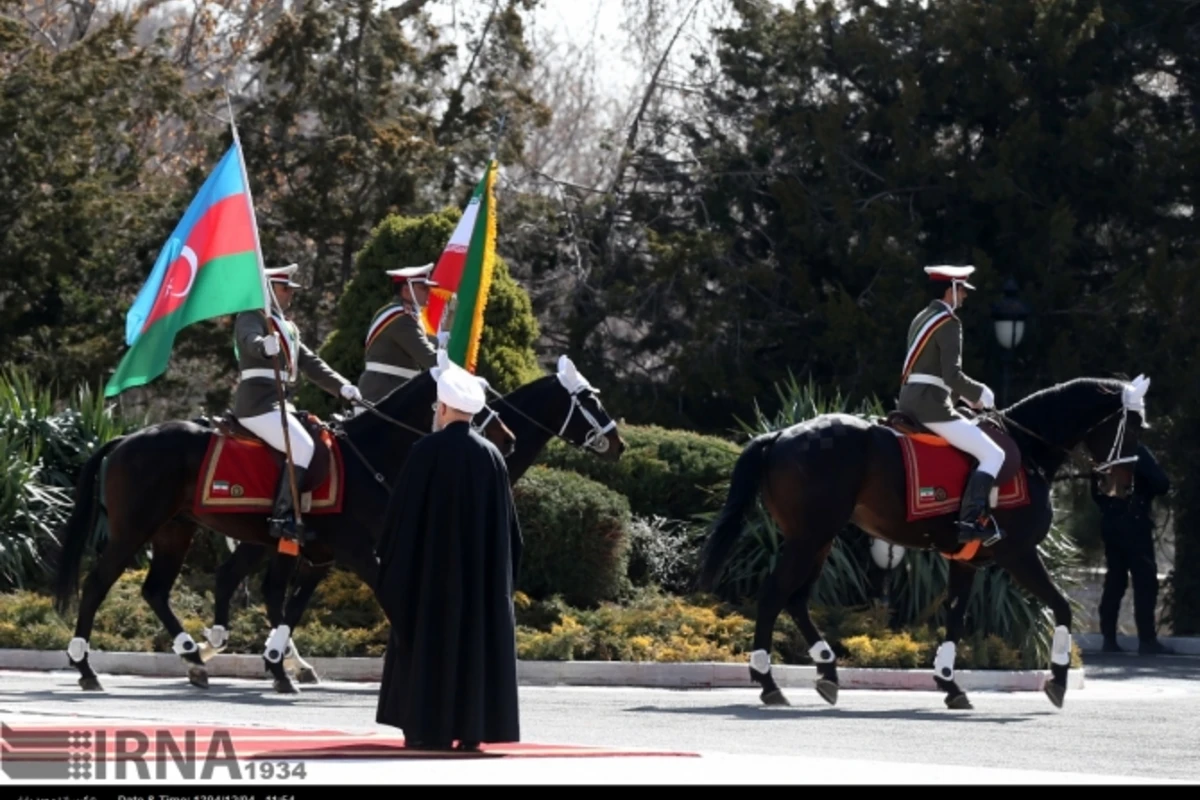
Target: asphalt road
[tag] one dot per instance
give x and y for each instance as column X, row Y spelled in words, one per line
column 1135, row 718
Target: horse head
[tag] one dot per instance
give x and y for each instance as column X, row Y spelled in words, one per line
column 585, row 423
column 1105, row 416
column 1113, row 443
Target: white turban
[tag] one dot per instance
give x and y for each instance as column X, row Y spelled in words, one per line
column 458, row 388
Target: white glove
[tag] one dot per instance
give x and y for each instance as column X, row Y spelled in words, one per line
column 987, row 399
column 271, row 344
column 351, row 392
column 443, row 338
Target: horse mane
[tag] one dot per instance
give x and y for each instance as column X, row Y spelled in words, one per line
column 1087, row 400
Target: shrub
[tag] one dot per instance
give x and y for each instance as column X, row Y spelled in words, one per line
column 668, row 473
column 663, row 553
column 576, row 535
column 506, row 356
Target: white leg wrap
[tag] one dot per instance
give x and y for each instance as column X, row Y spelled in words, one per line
column 184, row 644
column 943, row 662
column 821, row 653
column 1060, row 652
column 276, row 643
column 217, row 636
column 77, row 649
column 760, row 661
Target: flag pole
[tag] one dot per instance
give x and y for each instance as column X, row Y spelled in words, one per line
column 291, row 548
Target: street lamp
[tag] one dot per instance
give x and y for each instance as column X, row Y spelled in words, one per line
column 1008, row 317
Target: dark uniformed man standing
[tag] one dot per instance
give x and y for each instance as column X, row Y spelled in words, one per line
column 256, row 399
column 932, row 373
column 397, row 346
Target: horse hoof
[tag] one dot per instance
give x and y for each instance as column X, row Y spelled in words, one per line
column 307, row 675
column 198, row 676
column 959, row 702
column 285, row 686
column 828, row 691
column 91, row 684
column 775, row 698
column 1056, row 693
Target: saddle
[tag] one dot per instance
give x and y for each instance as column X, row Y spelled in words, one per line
column 318, row 469
column 905, row 425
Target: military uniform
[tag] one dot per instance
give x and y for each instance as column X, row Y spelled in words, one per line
column 257, row 339
column 932, row 374
column 397, row 348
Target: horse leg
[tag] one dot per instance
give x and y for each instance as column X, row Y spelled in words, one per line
column 789, row 576
column 962, row 577
column 296, row 607
column 820, row 652
column 1028, row 571
column 170, row 545
column 112, row 562
column 230, row 575
column 274, row 592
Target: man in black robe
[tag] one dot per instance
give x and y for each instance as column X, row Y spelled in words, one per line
column 448, row 561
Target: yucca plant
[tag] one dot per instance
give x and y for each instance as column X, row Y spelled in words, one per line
column 918, row 585
column 41, row 452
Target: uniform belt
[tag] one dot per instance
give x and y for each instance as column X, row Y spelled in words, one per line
column 403, row 372
column 263, row 373
column 932, row 380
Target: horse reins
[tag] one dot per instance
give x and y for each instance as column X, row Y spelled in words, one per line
column 595, row 439
column 1118, row 439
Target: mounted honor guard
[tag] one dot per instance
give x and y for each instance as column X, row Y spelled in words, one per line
column 257, row 341
column 932, row 374
column 397, row 346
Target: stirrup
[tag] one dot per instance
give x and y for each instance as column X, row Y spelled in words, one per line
column 968, row 532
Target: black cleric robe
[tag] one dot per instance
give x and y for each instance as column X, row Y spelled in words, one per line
column 448, row 560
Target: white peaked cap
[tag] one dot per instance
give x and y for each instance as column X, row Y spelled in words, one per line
column 458, row 388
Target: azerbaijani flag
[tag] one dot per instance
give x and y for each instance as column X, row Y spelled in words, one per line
column 465, row 270
column 210, row 267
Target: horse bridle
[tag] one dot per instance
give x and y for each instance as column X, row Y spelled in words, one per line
column 1118, row 438
column 597, row 437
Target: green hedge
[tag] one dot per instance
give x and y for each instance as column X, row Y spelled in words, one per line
column 674, row 474
column 576, row 535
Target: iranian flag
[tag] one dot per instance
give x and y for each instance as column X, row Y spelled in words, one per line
column 210, row 266
column 464, row 272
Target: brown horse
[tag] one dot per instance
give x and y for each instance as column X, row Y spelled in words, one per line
column 819, row 475
column 149, row 481
column 563, row 405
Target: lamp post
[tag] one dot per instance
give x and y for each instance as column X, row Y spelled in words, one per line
column 1008, row 318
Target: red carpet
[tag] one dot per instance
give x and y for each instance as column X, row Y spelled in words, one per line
column 146, row 741
column 936, row 475
column 239, row 476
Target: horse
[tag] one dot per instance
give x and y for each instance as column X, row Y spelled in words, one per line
column 898, row 482
column 153, row 485
column 563, row 405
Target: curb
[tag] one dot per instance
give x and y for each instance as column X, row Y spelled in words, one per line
column 1183, row 645
column 702, row 675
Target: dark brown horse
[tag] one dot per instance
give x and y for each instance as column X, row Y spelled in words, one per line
column 149, row 482
column 562, row 405
column 819, row 475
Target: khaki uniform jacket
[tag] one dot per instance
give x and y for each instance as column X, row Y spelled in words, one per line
column 935, row 353
column 258, row 395
column 395, row 340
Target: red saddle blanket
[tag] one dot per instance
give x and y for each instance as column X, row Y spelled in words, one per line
column 239, row 475
column 936, row 474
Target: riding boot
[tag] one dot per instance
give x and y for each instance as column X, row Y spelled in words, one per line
column 283, row 520
column 975, row 509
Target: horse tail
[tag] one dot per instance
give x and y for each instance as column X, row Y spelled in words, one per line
column 75, row 534
column 743, row 489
